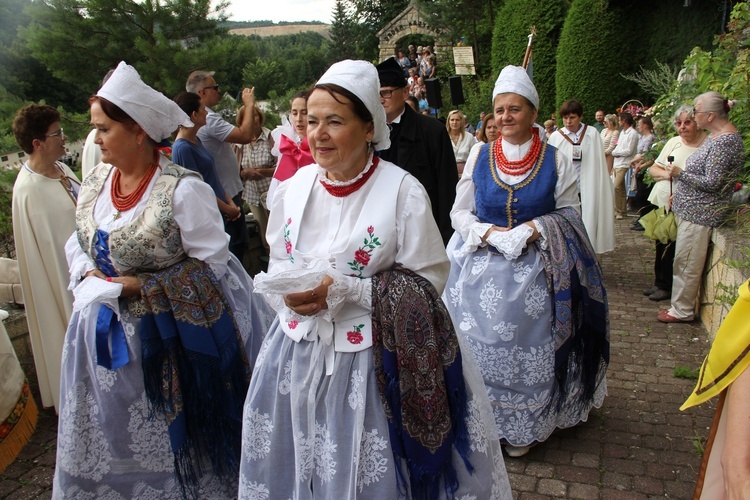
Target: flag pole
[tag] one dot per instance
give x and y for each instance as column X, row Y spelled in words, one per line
column 527, row 56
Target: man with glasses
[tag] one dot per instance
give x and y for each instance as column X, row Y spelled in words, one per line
column 419, row 144
column 217, row 137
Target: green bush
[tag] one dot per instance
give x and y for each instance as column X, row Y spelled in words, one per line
column 594, row 49
column 7, row 179
column 725, row 69
column 512, row 27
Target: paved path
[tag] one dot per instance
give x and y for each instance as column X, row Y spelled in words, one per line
column 637, row 446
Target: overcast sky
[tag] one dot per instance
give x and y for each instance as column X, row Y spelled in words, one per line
column 281, row 10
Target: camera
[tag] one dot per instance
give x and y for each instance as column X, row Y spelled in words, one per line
column 670, row 158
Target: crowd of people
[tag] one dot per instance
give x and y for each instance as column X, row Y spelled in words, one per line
column 433, row 296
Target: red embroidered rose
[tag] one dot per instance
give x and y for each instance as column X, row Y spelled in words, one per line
column 288, row 247
column 354, row 337
column 289, row 221
column 293, row 324
column 370, row 230
column 362, row 257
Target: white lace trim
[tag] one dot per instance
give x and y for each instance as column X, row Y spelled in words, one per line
column 473, row 239
column 511, row 243
column 348, row 289
column 332, row 182
column 542, row 234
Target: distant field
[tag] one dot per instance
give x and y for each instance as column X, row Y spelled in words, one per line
column 289, row 29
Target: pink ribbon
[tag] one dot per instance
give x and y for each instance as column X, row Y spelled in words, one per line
column 293, row 158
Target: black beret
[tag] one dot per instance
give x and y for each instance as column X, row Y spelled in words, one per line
column 391, row 74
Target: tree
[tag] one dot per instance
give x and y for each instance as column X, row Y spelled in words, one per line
column 588, row 62
column 21, row 74
column 80, row 40
column 468, row 21
column 263, row 74
column 511, row 38
column 372, row 16
column 344, row 34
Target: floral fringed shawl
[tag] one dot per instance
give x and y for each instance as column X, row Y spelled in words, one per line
column 420, row 380
column 194, row 367
column 580, row 322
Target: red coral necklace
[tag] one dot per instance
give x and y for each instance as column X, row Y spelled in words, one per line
column 124, row 203
column 518, row 167
column 341, row 191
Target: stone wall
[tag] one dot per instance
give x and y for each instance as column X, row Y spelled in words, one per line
column 721, row 279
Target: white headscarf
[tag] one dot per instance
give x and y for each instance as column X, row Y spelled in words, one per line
column 514, row 79
column 158, row 115
column 361, row 79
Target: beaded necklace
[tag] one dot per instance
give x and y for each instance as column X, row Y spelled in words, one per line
column 124, row 203
column 342, row 191
column 518, row 167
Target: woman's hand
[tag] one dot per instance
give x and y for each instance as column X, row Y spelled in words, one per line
column 309, row 302
column 674, row 171
column 250, row 174
column 131, row 286
column 95, row 272
column 658, row 173
column 489, row 231
column 736, row 481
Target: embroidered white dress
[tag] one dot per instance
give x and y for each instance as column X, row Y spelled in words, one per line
column 503, row 309
column 314, row 424
column 109, row 445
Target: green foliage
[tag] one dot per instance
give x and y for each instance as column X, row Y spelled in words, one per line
column 467, row 21
column 9, row 105
column 685, row 372
column 7, row 179
column 264, row 75
column 699, row 444
column 20, row 73
column 80, row 40
column 345, row 32
column 372, row 16
column 726, row 69
column 512, row 28
column 670, row 30
column 592, row 52
column 233, row 51
column 302, row 57
column 654, row 82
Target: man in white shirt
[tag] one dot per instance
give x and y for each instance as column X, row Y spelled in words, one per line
column 217, row 136
column 624, row 153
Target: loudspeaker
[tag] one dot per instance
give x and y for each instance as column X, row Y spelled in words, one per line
column 457, row 90
column 433, row 93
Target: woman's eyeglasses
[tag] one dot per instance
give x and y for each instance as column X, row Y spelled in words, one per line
column 59, row 133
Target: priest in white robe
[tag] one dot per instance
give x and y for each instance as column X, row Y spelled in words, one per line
column 583, row 145
column 44, row 204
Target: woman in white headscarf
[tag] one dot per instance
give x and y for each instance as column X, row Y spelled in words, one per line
column 165, row 328
column 356, row 267
column 525, row 288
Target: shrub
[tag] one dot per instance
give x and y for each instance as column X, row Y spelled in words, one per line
column 510, row 39
column 592, row 52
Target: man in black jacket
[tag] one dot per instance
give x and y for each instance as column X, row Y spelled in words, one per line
column 419, row 144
